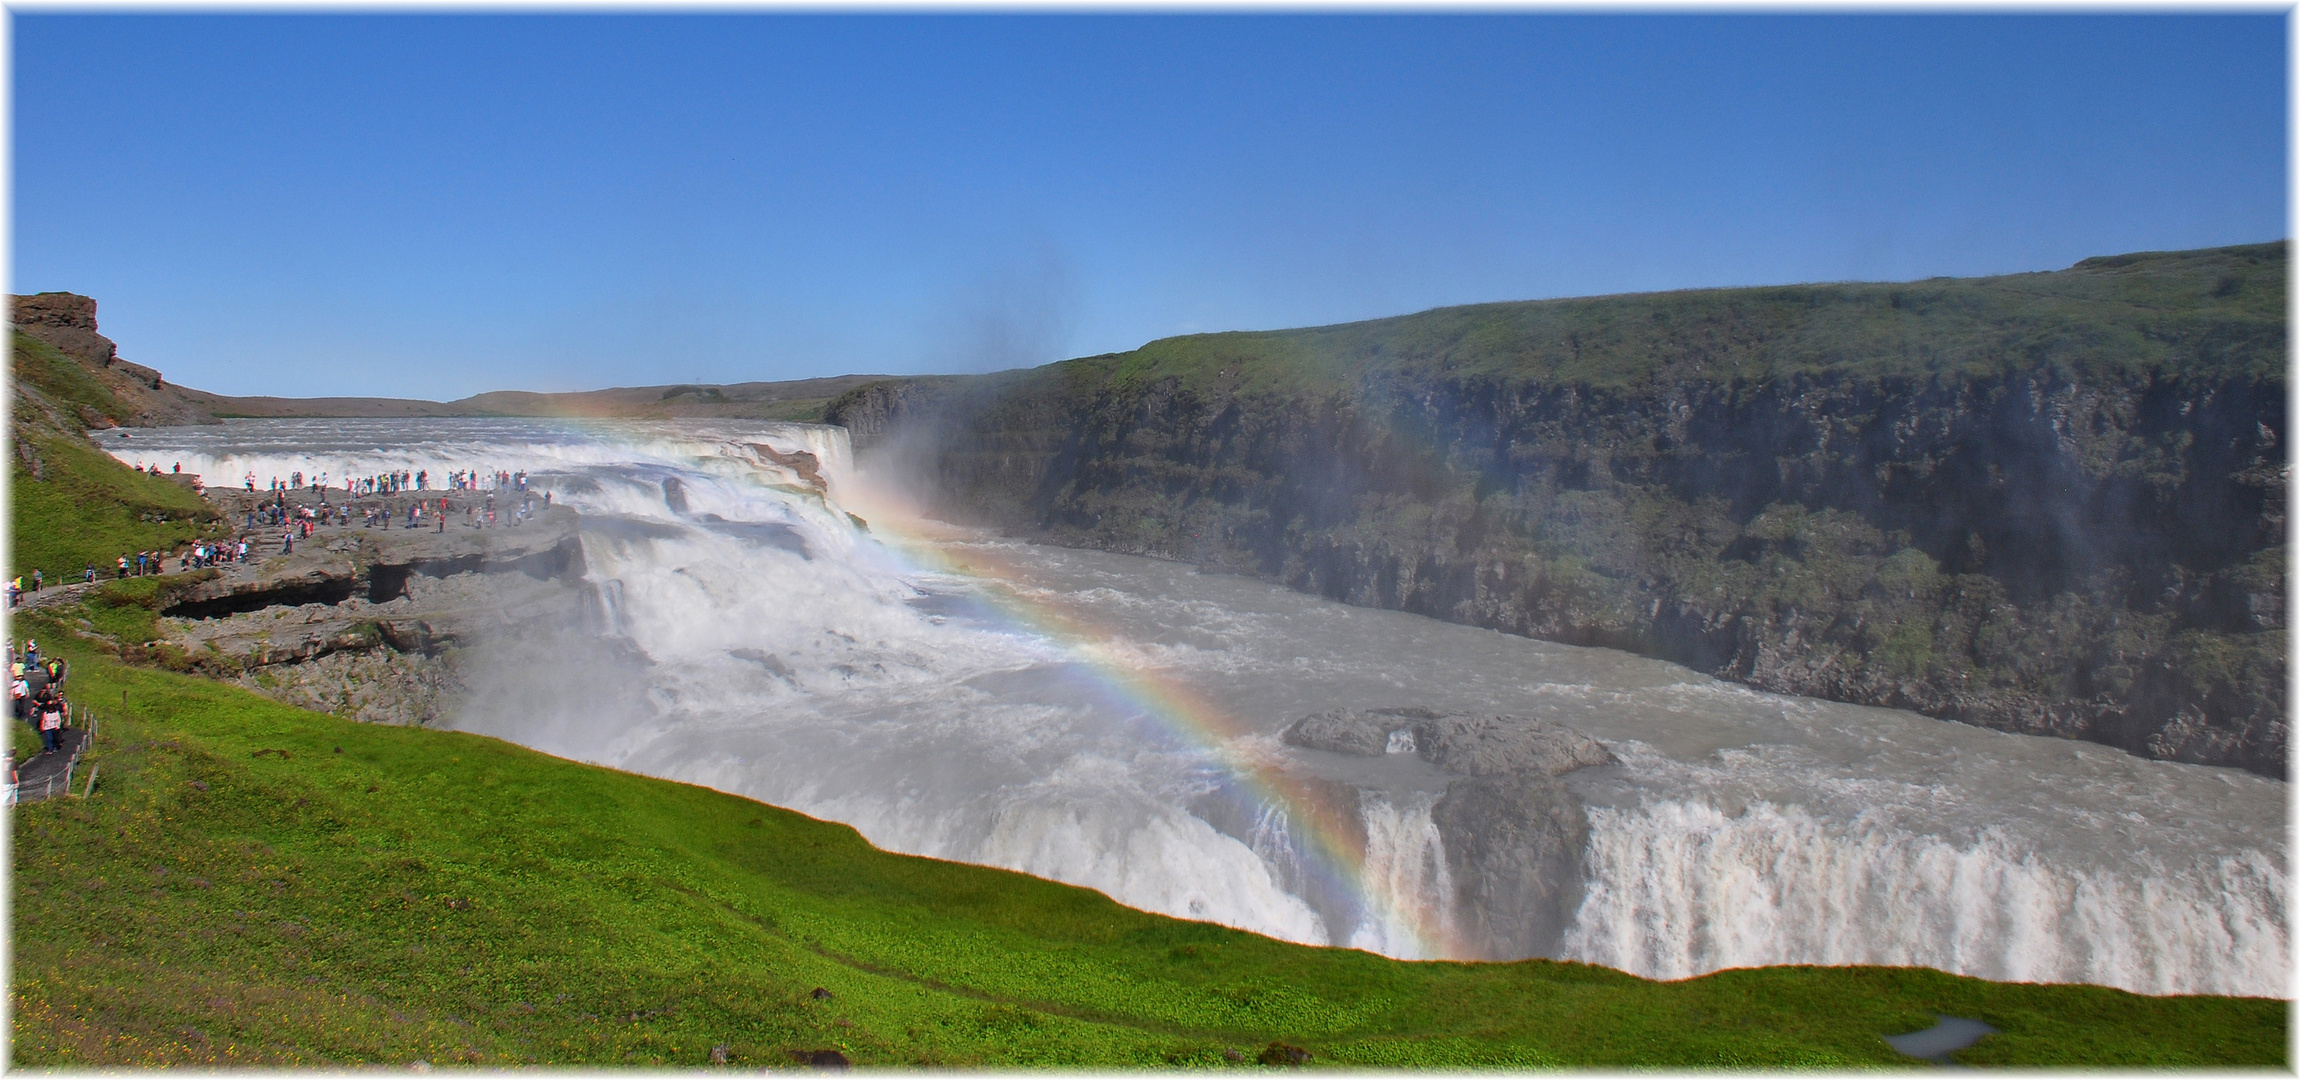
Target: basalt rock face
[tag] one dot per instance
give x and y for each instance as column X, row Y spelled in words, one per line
column 2068, row 523
column 1514, row 843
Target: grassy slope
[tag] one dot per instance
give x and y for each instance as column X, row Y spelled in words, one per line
column 82, row 506
column 2213, row 311
column 447, row 897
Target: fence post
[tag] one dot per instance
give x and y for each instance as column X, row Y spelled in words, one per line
column 91, row 788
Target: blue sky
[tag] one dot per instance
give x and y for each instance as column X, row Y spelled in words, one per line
column 433, row 206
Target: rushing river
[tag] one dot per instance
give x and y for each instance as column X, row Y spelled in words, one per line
column 1112, row 722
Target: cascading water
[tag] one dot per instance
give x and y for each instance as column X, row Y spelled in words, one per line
column 1677, row 889
column 1410, row 891
column 1058, row 716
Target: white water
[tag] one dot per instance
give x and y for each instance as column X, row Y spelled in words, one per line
column 795, row 659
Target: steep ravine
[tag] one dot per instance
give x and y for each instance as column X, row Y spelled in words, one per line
column 2088, row 548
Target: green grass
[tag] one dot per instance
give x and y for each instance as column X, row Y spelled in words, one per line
column 2217, row 311
column 253, row 884
column 65, row 381
column 23, row 742
column 88, row 508
column 72, row 503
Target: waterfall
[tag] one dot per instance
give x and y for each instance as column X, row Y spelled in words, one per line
column 1678, row 889
column 761, row 641
column 1409, row 891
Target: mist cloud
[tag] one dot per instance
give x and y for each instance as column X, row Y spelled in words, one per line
column 1019, row 311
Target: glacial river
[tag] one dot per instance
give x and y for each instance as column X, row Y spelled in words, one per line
column 1113, row 722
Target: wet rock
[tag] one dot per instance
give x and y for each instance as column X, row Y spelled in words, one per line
column 1484, row 745
column 802, row 463
column 1513, row 833
column 1514, row 845
column 1364, row 732
column 820, row 994
column 1471, row 744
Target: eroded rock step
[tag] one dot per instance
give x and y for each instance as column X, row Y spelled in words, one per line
column 372, row 623
column 1514, row 833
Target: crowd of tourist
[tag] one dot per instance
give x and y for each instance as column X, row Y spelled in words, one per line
column 369, row 499
column 36, row 688
column 396, row 482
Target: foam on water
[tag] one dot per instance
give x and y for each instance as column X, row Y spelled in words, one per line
column 783, row 654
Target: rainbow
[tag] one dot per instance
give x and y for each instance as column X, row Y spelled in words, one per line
column 1331, row 838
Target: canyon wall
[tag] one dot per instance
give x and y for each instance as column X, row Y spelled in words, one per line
column 2049, row 503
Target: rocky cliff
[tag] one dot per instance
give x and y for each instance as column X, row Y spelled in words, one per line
column 388, row 625
column 76, row 356
column 2048, row 503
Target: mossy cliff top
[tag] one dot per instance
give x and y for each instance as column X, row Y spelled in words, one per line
column 2216, row 312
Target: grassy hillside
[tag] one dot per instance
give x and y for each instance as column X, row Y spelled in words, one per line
column 799, row 400
column 73, row 504
column 2215, row 312
column 253, row 884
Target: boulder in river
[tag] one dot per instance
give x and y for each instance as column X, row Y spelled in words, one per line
column 1472, row 744
column 1486, row 745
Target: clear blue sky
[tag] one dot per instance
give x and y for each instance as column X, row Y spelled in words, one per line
column 433, row 206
